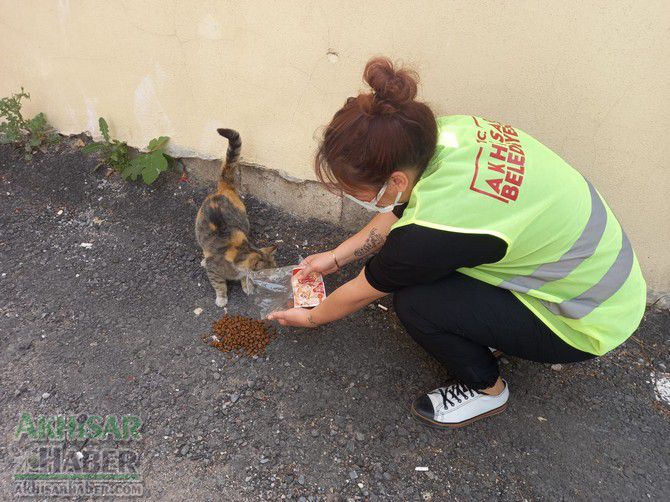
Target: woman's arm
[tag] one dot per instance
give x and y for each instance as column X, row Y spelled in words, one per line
column 363, row 243
column 368, row 240
column 348, row 298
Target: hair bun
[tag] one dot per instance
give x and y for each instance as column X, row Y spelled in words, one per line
column 392, row 86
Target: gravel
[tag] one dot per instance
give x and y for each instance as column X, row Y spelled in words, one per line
column 133, row 293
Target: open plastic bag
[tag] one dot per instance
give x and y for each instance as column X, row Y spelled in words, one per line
column 270, row 290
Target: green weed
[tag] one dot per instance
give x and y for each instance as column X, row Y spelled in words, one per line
column 116, row 155
column 29, row 134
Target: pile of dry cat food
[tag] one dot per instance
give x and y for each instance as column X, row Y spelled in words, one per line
column 240, row 335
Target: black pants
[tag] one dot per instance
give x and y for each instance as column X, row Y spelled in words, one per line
column 457, row 318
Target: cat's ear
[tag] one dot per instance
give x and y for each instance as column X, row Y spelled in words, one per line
column 270, row 250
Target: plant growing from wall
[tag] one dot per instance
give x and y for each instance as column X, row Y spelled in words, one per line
column 116, row 155
column 29, row 134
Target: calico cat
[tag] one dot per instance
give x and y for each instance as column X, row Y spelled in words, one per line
column 222, row 229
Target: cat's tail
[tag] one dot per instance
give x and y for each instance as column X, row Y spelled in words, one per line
column 233, row 152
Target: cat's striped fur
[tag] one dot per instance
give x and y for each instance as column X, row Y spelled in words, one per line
column 222, row 229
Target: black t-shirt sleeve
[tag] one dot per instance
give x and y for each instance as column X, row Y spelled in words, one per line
column 399, row 210
column 413, row 254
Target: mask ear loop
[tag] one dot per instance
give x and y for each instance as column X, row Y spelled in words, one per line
column 372, row 205
column 380, row 194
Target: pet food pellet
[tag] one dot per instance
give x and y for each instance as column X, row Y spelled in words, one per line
column 240, row 335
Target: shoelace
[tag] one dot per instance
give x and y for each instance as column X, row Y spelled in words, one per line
column 457, row 392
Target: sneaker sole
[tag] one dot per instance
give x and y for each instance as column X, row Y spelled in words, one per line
column 440, row 425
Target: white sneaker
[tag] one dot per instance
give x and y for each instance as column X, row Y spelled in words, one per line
column 457, row 405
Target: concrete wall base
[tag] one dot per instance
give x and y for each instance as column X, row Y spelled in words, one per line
column 302, row 198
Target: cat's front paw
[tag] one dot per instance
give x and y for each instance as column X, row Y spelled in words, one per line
column 221, row 301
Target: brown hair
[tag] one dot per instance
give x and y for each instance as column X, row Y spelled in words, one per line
column 377, row 133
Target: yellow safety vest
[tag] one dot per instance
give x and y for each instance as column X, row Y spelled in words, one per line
column 567, row 259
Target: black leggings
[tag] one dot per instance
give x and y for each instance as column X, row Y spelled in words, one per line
column 457, row 318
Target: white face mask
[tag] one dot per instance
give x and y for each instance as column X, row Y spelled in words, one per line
column 372, row 205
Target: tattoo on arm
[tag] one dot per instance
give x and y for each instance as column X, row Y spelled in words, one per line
column 374, row 241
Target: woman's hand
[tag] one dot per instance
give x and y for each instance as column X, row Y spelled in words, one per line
column 348, row 298
column 320, row 262
column 293, row 317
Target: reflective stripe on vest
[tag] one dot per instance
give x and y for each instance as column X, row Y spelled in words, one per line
column 611, row 282
column 582, row 249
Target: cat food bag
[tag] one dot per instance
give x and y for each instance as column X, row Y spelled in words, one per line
column 270, row 290
column 276, row 289
column 309, row 291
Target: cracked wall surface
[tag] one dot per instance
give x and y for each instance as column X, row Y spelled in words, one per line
column 588, row 80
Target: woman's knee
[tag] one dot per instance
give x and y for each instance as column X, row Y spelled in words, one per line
column 404, row 302
column 422, row 300
column 417, row 313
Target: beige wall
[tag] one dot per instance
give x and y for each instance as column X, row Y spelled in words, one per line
column 590, row 79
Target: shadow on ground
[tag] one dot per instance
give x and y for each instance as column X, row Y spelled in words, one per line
column 111, row 330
